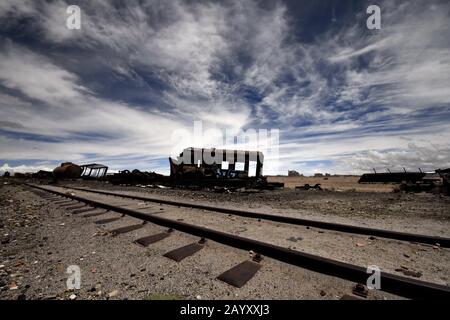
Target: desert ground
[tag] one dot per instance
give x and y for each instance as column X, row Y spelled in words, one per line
column 41, row 239
column 333, row 183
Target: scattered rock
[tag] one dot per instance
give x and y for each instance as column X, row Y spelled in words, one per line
column 411, row 273
column 360, row 290
column 198, row 297
column 73, row 297
column 13, row 286
column 360, row 244
column 407, row 272
column 113, row 294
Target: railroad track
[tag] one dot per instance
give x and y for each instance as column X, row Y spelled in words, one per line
column 239, row 275
column 402, row 236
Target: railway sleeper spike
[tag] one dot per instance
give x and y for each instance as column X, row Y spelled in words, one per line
column 399, row 285
column 257, row 257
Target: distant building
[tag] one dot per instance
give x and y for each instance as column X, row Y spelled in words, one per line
column 318, row 174
column 293, row 173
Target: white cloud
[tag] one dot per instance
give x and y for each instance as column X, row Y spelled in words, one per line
column 23, row 169
column 35, row 76
column 328, row 104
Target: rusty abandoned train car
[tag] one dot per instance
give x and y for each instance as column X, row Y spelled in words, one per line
column 219, row 167
column 67, row 170
column 392, row 177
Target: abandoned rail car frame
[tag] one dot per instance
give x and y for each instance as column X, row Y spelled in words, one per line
column 204, row 167
column 392, row 177
column 217, row 158
column 93, row 171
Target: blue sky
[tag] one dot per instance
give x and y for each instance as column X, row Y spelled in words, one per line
column 345, row 99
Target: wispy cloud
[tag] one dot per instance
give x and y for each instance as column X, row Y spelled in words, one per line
column 346, row 98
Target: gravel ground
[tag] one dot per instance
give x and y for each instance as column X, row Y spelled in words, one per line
column 40, row 240
column 423, row 213
column 431, row 262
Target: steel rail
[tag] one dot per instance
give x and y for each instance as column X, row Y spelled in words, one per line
column 402, row 286
column 403, row 236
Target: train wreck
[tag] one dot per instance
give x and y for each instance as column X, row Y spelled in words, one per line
column 205, row 168
column 220, row 168
column 445, row 175
column 420, row 181
column 392, row 177
column 93, row 171
column 69, row 170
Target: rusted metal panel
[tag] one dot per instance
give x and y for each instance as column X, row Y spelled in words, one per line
column 76, row 207
column 88, row 209
column 93, row 171
column 146, row 241
column 64, row 202
column 240, row 274
column 109, row 220
column 95, row 214
column 184, row 252
column 126, row 229
column 67, row 170
column 217, row 167
column 391, row 177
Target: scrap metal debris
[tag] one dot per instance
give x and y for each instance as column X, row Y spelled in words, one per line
column 437, row 182
column 307, row 186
